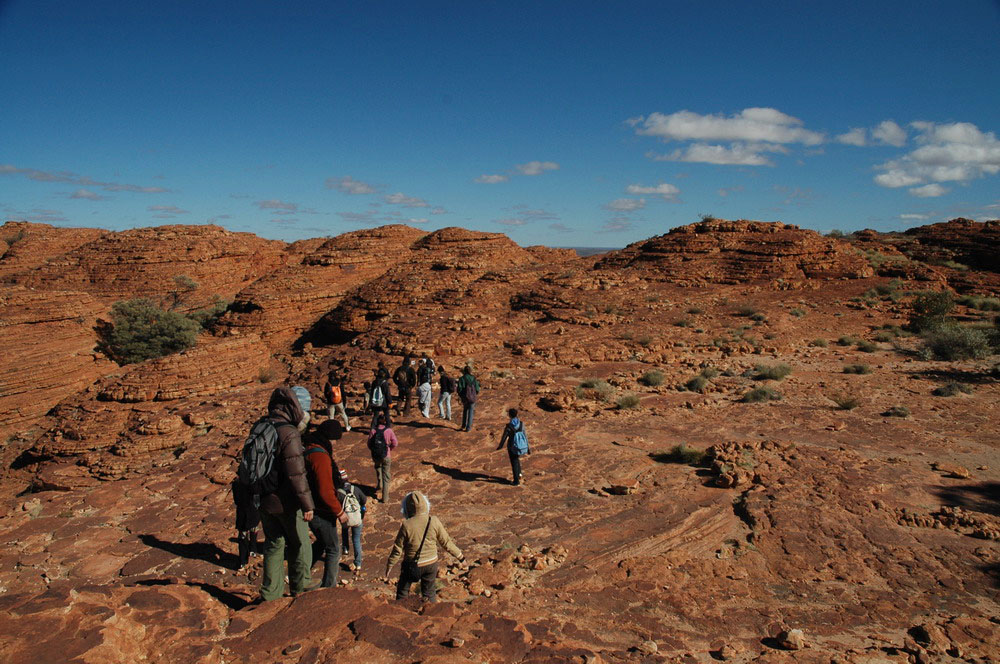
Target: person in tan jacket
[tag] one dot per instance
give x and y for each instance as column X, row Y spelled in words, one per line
column 417, row 544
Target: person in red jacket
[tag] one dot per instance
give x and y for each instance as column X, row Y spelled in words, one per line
column 321, row 470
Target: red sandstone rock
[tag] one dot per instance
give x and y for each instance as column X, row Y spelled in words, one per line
column 25, row 245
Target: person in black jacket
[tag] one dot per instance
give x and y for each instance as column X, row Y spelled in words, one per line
column 508, row 438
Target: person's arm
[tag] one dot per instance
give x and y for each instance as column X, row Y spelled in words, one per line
column 444, row 539
column 322, row 466
column 295, row 470
column 390, row 439
column 504, row 436
column 397, row 550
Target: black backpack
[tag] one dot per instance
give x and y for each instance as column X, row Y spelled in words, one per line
column 403, row 377
column 257, row 470
column 377, row 446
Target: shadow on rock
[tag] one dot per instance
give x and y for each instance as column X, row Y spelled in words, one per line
column 464, row 475
column 208, row 552
column 983, row 497
column 231, row 601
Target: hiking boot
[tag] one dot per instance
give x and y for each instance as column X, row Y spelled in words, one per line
column 312, row 586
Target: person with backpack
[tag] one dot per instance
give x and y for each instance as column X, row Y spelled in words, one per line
column 417, row 544
column 447, row 386
column 336, row 397
column 516, row 441
column 381, row 442
column 380, row 396
column 405, row 379
column 354, row 501
column 280, row 484
column 321, row 470
column 468, row 392
column 425, row 374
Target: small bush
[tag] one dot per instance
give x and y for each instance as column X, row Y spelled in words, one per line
column 746, row 310
column 845, row 401
column 798, row 313
column 846, row 340
column 980, row 302
column 682, row 322
column 627, row 401
column 951, row 389
column 772, row 371
column 820, row 343
column 207, row 316
column 866, row 346
column 265, row 376
column 957, row 343
column 696, row 384
column 709, row 373
column 758, row 318
column 884, row 336
column 897, row 411
column 652, row 378
column 645, row 341
column 930, row 310
column 601, row 390
column 694, row 311
column 680, row 454
column 760, row 395
column 857, row 369
column 140, row 331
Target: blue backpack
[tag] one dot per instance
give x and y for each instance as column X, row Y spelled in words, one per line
column 519, row 440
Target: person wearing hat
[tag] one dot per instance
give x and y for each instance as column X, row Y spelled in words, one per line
column 285, row 511
column 322, row 470
column 417, row 544
column 352, row 534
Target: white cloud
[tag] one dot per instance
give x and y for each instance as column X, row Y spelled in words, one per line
column 491, row 179
column 626, row 204
column 667, row 192
column 929, row 191
column 954, row 152
column 511, row 222
column 349, row 185
column 856, row 136
column 405, row 201
column 66, row 176
column 166, row 210
column 751, row 125
column 915, row 216
column 889, row 133
column 562, row 228
column 616, row 225
column 437, row 209
column 275, row 204
column 411, row 220
column 87, row 195
column 737, row 154
column 537, row 167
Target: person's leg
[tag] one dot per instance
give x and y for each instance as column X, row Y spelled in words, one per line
column 441, row 405
column 404, row 583
column 447, row 403
column 472, row 415
column 378, row 476
column 273, row 579
column 386, row 477
column 326, row 535
column 329, row 411
column 428, row 582
column 515, row 466
column 344, row 539
column 299, row 551
column 465, row 416
column 243, row 543
column 356, row 535
column 343, row 416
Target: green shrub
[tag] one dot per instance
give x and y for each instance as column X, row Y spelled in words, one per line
column 709, row 373
column 980, row 302
column 771, row 372
column 930, row 310
column 207, row 316
column 897, row 411
column 798, row 313
column 140, row 330
column 627, row 401
column 680, row 454
column 758, row 318
column 857, row 369
column 682, row 322
column 600, row 389
column 883, row 336
column 866, row 346
column 821, row 343
column 761, row 394
column 845, row 401
column 846, row 340
column 696, row 384
column 694, row 311
column 746, row 310
column 951, row 389
column 954, row 342
column 652, row 378
column 645, row 341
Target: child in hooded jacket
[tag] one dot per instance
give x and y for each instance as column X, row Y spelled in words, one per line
column 417, row 543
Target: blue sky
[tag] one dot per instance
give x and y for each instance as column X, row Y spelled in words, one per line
column 560, row 123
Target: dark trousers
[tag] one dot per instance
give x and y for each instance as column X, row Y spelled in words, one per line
column 515, row 465
column 426, row 575
column 247, row 543
column 468, row 412
column 383, row 409
column 326, row 541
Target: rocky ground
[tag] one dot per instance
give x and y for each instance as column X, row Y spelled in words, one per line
column 682, row 525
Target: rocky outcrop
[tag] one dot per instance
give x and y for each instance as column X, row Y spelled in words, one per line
column 183, row 267
column 971, row 243
column 25, row 245
column 731, row 252
column 47, row 342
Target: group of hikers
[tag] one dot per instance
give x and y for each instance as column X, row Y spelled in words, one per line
column 289, row 483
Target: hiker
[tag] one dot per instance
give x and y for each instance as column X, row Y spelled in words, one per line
column 517, row 444
column 366, row 398
column 321, row 470
column 425, row 374
column 380, row 396
column 468, row 392
column 247, row 522
column 352, row 534
column 405, row 379
column 381, row 442
column 336, row 397
column 447, row 386
column 417, row 544
column 285, row 511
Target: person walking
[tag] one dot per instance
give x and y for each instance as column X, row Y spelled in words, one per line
column 247, row 522
column 516, row 440
column 381, row 396
column 468, row 392
column 351, row 535
column 405, row 379
column 381, row 442
column 417, row 544
column 425, row 374
column 336, row 397
column 285, row 511
column 321, row 470
column 446, row 385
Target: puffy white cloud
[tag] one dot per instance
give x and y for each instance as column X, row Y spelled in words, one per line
column 929, row 191
column 667, row 192
column 492, row 179
column 749, row 125
column 889, row 133
column 737, row 154
column 954, row 152
column 537, row 167
column 911, row 216
column 626, row 204
column 405, row 201
column 349, row 185
column 87, row 195
column 412, row 220
column 856, row 136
